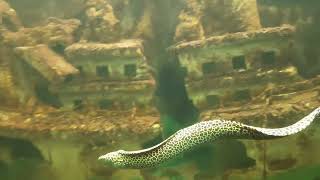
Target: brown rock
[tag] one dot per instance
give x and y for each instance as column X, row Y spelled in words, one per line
column 56, row 32
column 100, row 22
column 8, row 17
column 190, row 26
column 52, row 66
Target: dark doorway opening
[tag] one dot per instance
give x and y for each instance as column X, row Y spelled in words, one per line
column 242, row 95
column 239, row 63
column 130, row 70
column 213, row 101
column 268, row 58
column 102, row 71
column 105, row 103
column 208, row 68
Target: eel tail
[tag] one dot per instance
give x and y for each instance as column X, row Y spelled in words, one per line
column 289, row 130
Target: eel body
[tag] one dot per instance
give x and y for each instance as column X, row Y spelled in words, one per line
column 195, row 135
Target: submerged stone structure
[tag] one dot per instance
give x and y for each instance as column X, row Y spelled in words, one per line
column 8, row 17
column 50, row 65
column 202, row 18
column 55, row 32
column 38, row 67
column 6, row 83
column 111, row 75
column 94, row 74
column 235, row 67
column 237, row 57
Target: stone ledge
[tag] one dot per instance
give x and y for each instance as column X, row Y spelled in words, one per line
column 49, row 64
column 273, row 32
column 125, row 48
column 95, row 126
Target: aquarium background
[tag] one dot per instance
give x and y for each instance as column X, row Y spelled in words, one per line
column 80, row 78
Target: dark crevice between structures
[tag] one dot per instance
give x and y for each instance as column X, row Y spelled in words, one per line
column 171, row 98
column 21, row 149
column 176, row 109
column 20, row 159
column 305, row 56
column 308, row 36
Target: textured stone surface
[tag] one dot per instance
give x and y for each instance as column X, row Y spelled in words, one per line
column 50, row 65
column 126, row 49
column 237, row 66
column 118, row 19
column 74, row 126
column 6, row 85
column 101, row 23
column 8, row 17
column 124, row 71
column 36, row 12
column 86, row 133
column 190, row 26
column 229, row 38
column 274, row 13
column 55, row 32
column 202, row 18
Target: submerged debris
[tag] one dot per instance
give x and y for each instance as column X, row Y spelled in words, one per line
column 49, row 64
column 75, row 125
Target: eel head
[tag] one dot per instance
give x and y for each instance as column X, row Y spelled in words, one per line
column 114, row 159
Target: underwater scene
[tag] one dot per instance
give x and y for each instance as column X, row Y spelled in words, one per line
column 159, row 90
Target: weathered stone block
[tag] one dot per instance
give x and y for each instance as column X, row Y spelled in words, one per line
column 237, row 66
column 50, row 65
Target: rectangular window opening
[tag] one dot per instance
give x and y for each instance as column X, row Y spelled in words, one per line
column 239, row 63
column 80, row 69
column 68, row 78
column 78, row 104
column 105, row 103
column 130, row 70
column 102, row 71
column 208, row 68
column 213, row 101
column 268, row 58
column 242, row 95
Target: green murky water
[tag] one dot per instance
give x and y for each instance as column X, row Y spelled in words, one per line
column 82, row 78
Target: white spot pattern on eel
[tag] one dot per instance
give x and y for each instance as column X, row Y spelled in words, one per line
column 195, row 135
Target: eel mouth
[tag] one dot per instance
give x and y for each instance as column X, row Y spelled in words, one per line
column 106, row 160
column 102, row 158
column 113, row 159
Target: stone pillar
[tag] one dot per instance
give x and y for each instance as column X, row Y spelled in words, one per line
column 202, row 18
column 64, row 157
column 6, row 84
column 8, row 17
column 248, row 13
column 190, row 26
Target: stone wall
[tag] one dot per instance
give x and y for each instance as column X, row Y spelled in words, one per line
column 235, row 67
column 305, row 16
column 8, row 17
column 206, row 18
column 108, row 73
column 36, row 12
column 274, row 13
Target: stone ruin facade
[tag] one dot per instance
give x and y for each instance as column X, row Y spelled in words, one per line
column 111, row 76
column 93, row 74
column 207, row 45
column 239, row 59
column 237, row 67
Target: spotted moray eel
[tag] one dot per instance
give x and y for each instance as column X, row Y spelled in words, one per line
column 195, row 135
